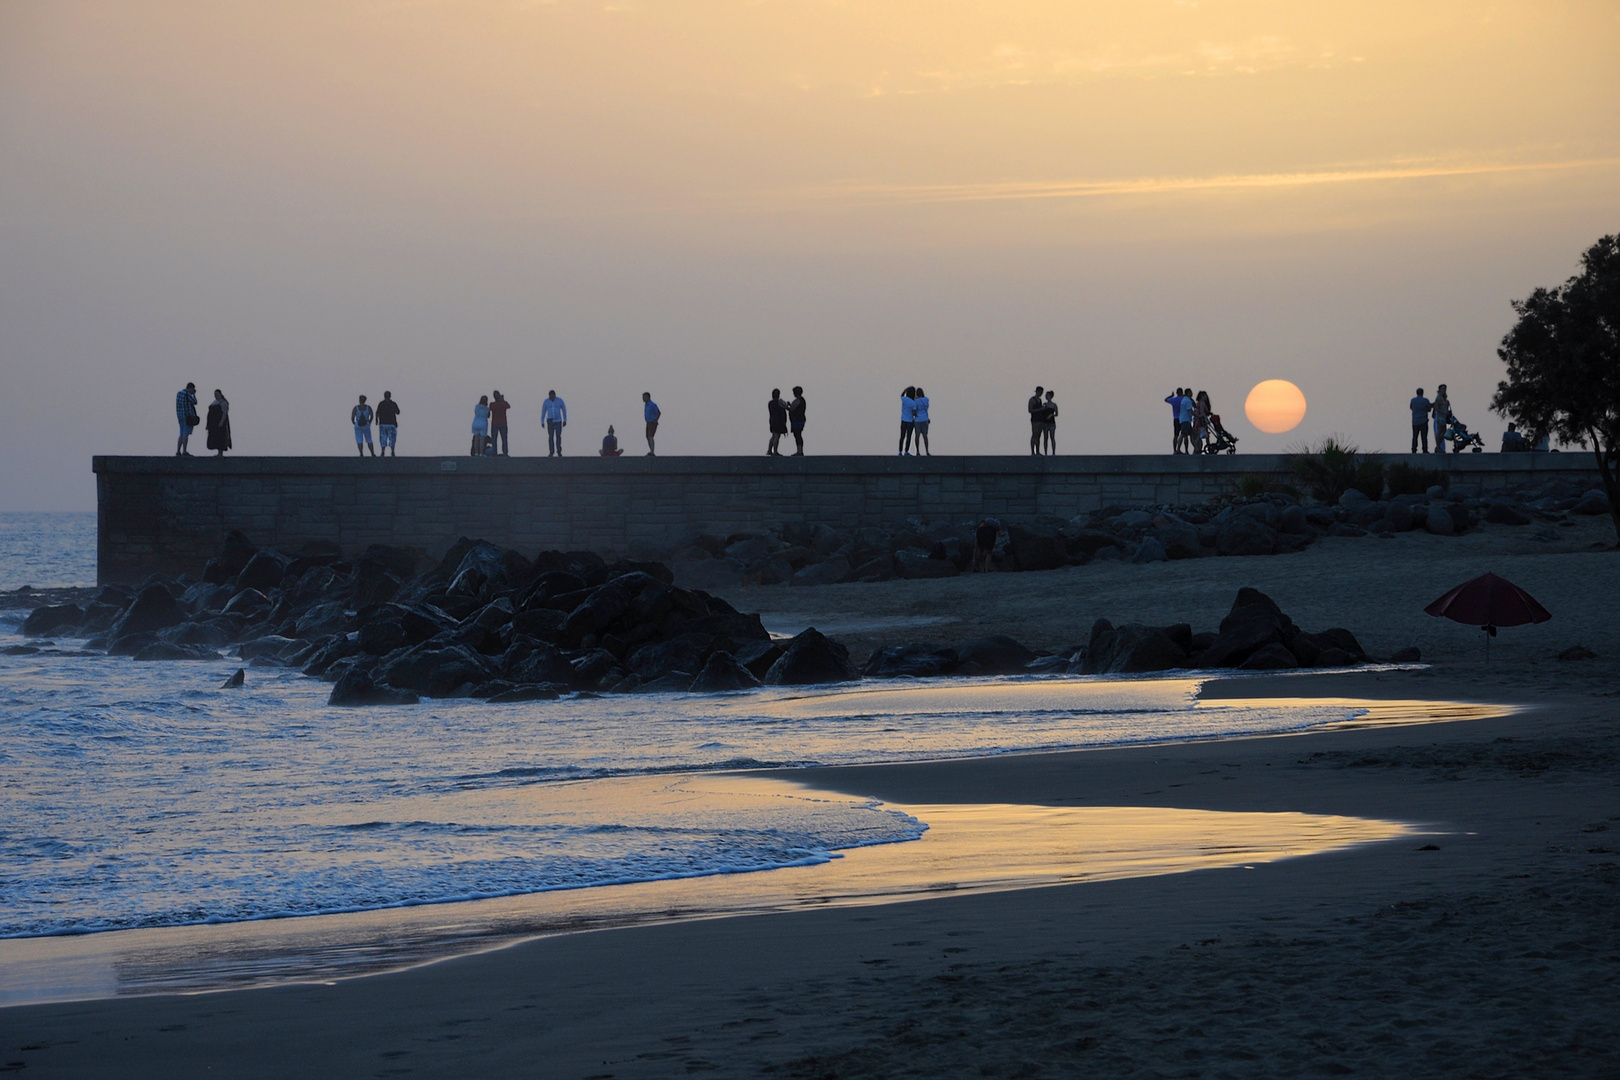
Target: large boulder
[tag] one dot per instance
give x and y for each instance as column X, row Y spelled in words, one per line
column 812, row 657
column 164, row 650
column 758, row 655
column 263, row 572
column 1592, row 503
column 271, row 645
column 684, row 653
column 1439, row 521
column 1254, row 622
column 1149, row 551
column 997, row 654
column 529, row 661
column 831, row 572
column 1271, row 657
column 324, row 620
column 1241, row 534
column 600, row 609
column 212, row 633
column 1179, row 539
column 249, row 604
column 154, row 609
column 1085, row 543
column 1506, row 514
column 357, row 688
column 235, row 552
column 914, row 659
column 539, row 622
column 44, row 621
column 1130, row 649
column 722, row 672
column 435, row 671
column 335, row 648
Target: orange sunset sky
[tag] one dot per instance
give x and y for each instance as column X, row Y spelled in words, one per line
column 298, row 202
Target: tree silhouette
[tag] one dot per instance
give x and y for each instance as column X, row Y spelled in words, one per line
column 1563, row 363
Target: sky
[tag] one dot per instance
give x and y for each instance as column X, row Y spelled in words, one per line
column 298, row 202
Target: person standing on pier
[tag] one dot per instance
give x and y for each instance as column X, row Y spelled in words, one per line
column 219, row 424
column 1049, row 414
column 554, row 414
column 388, row 423
column 497, row 425
column 480, row 425
column 908, row 419
column 1035, row 407
column 185, row 410
column 796, row 412
column 920, row 424
column 650, row 412
column 778, row 410
column 360, row 417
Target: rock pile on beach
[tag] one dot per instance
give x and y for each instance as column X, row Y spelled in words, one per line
column 481, row 622
column 1272, row 523
column 1254, row 636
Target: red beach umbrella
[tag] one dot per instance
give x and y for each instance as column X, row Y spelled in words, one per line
column 1487, row 602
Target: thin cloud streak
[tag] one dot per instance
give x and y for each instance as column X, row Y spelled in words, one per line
column 1001, row 191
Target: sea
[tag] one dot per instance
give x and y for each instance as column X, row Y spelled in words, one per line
column 148, row 795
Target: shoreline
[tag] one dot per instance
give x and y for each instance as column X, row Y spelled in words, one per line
column 642, row 1000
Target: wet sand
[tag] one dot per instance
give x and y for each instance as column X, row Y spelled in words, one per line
column 1490, row 947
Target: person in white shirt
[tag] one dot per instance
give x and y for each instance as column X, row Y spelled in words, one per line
column 1188, row 409
column 908, row 419
column 919, row 422
column 554, row 412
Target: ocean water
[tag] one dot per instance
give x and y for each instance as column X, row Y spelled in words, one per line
column 144, row 795
column 47, row 551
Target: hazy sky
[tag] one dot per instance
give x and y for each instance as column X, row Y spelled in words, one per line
column 298, row 202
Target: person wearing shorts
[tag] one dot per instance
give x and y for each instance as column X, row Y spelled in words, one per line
column 360, row 417
column 908, row 419
column 1049, row 413
column 185, row 410
column 920, row 424
column 388, row 423
column 1035, row 407
column 650, row 413
column 497, row 425
column 984, row 544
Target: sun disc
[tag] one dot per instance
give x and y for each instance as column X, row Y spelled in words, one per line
column 1275, row 406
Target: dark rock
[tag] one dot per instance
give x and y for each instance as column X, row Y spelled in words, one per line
column 722, row 672
column 129, row 644
column 548, row 586
column 1306, row 648
column 655, row 570
column 539, row 622
column 1439, row 522
column 1254, row 622
column 1243, row 535
column 357, row 688
column 1409, row 655
column 323, row 620
column 1344, row 528
column 43, row 621
column 1088, row 542
column 1505, row 514
column 436, row 671
column 1272, row 657
column 1131, row 648
column 1592, row 503
column 235, row 681
column 994, row 655
column 1352, row 497
column 153, row 610
column 1339, row 638
column 1335, row 658
column 530, row 661
column 1292, row 520
column 1577, row 652
column 758, row 656
column 263, row 572
column 1149, row 551
column 684, row 653
column 812, row 657
column 338, row 647
column 532, row 692
column 877, row 568
column 163, row 650
column 675, row 682
column 249, row 604
column 235, row 552
column 915, row 659
column 603, row 606
column 914, row 564
column 1399, row 516
column 592, row 669
column 272, row 646
column 1179, row 539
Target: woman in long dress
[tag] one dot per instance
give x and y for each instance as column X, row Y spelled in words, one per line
column 219, row 424
column 480, row 427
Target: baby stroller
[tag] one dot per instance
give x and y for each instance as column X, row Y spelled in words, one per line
column 1221, row 441
column 1460, row 438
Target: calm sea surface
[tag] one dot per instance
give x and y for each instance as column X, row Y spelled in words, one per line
column 47, row 550
column 144, row 795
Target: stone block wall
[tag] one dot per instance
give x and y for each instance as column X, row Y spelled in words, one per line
column 168, row 514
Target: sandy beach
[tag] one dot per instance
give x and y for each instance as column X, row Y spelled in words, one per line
column 1489, row 946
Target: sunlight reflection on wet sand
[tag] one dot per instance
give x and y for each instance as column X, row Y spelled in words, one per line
column 967, row 848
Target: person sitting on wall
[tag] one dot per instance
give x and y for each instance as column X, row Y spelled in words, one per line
column 1512, row 441
column 610, row 444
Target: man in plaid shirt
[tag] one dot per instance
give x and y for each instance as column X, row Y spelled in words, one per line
column 185, row 410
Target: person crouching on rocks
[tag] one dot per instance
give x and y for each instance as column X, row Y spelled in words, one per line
column 984, row 544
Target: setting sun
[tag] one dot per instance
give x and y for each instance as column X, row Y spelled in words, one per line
column 1275, row 406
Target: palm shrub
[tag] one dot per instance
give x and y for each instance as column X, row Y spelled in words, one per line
column 1334, row 466
column 1405, row 479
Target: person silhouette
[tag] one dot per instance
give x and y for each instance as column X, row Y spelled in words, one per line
column 777, row 408
column 388, row 424
column 920, row 424
column 185, row 410
column 610, row 444
column 650, row 412
column 908, row 419
column 219, row 424
column 480, row 425
column 1035, row 406
column 360, row 417
column 554, row 413
column 796, row 412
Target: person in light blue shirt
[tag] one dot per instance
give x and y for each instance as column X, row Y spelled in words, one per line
column 908, row 419
column 920, row 423
column 650, row 413
column 554, row 411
